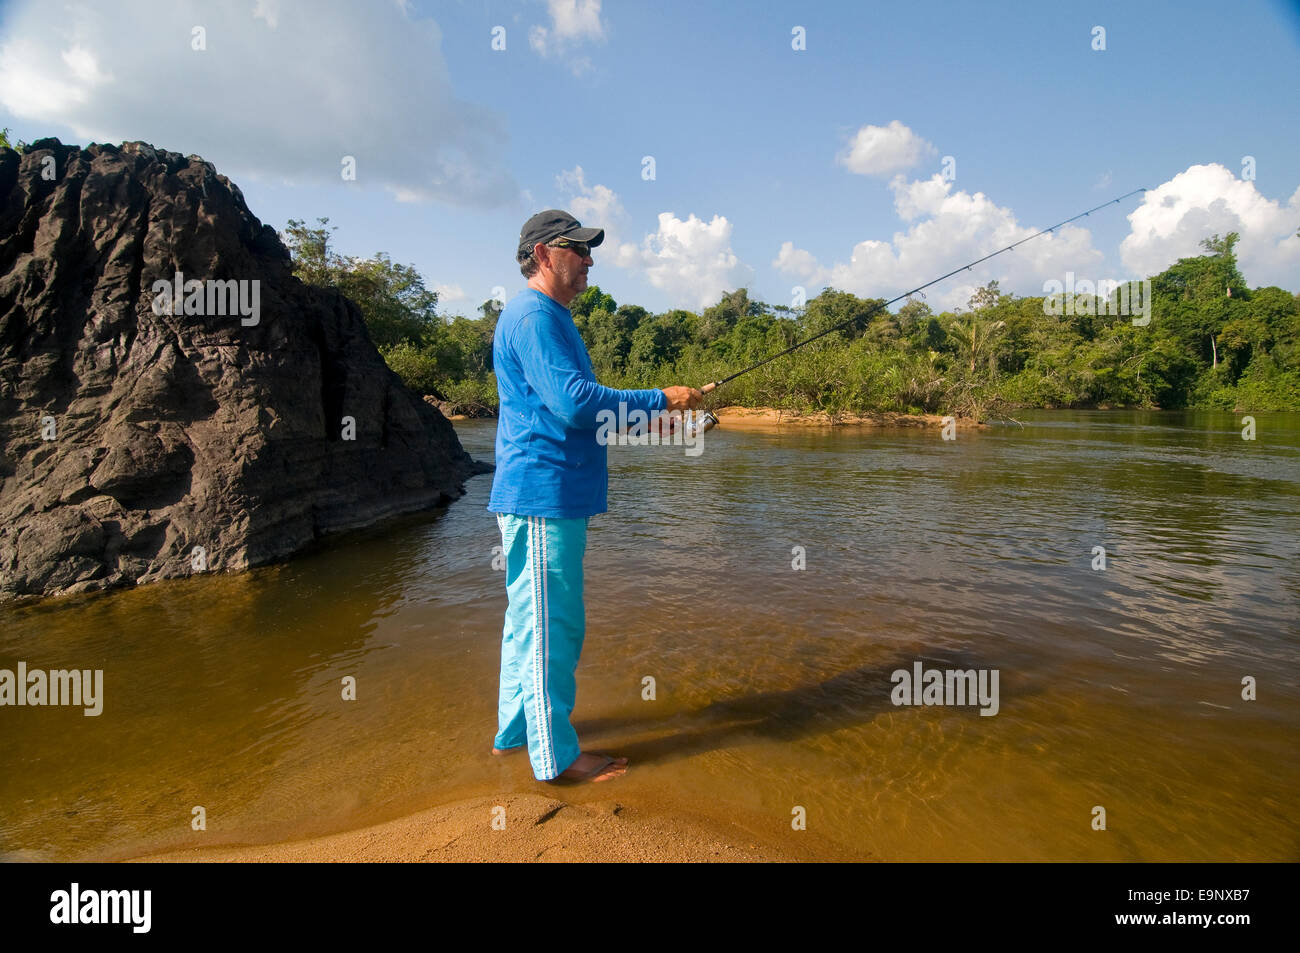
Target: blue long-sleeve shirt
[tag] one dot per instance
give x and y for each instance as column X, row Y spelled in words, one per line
column 548, row 461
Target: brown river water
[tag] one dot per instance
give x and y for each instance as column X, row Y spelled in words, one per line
column 1118, row 688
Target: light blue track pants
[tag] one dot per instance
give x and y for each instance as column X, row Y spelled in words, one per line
column 542, row 639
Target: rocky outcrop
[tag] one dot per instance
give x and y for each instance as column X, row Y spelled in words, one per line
column 145, row 435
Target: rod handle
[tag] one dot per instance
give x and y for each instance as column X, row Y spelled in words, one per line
column 708, row 387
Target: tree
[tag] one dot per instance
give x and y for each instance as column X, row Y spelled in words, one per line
column 393, row 299
column 912, row 316
column 313, row 262
column 1213, row 342
column 659, row 340
column 464, row 347
column 976, row 337
column 396, row 304
column 1208, row 277
column 986, row 297
column 718, row 320
column 6, row 143
column 608, row 335
column 590, row 300
column 1214, row 245
column 831, row 308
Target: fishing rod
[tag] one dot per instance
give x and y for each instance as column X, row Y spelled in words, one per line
column 708, row 421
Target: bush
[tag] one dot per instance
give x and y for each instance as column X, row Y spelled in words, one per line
column 473, row 396
column 416, row 366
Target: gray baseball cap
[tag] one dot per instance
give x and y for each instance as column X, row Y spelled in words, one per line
column 554, row 223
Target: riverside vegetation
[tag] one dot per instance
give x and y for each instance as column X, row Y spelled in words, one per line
column 1212, row 343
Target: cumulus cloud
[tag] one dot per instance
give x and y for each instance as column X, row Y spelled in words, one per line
column 1175, row 217
column 596, row 206
column 573, row 22
column 797, row 262
column 920, row 197
column 948, row 228
column 689, row 259
column 880, row 150
column 284, row 89
column 448, row 293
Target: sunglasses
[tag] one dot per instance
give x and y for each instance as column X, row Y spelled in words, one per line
column 581, row 249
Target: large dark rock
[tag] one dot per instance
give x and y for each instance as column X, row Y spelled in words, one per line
column 175, row 431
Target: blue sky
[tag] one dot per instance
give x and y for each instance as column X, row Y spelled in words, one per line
column 753, row 142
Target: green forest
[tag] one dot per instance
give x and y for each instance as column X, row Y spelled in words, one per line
column 1212, row 342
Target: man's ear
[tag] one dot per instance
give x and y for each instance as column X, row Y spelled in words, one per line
column 542, row 254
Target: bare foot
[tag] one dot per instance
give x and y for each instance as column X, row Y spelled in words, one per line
column 594, row 768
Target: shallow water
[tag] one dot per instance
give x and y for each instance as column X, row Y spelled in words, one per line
column 1119, row 688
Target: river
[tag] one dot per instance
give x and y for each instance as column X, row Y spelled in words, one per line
column 772, row 587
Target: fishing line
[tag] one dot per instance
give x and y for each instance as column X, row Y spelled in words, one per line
column 708, row 421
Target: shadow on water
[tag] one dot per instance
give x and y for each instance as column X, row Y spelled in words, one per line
column 849, row 699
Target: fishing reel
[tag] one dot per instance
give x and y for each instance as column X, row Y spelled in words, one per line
column 701, row 424
column 707, row 420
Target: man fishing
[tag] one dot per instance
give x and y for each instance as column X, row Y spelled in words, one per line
column 551, row 477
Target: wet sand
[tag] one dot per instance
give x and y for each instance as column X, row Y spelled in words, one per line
column 509, row 828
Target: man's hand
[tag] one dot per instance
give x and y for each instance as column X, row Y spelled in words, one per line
column 663, row 422
column 667, row 422
column 683, row 398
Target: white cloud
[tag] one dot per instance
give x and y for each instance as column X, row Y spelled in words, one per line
column 84, row 67
column 596, row 206
column 573, row 22
column 29, row 88
column 449, row 293
column 285, row 90
column 880, row 150
column 920, row 197
column 576, row 19
column 1176, row 216
column 268, row 10
column 949, row 228
column 796, row 261
column 691, row 260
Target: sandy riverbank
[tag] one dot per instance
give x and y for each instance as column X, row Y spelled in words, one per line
column 742, row 418
column 735, row 416
column 536, row 827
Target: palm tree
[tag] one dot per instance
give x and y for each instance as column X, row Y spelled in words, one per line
column 976, row 338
